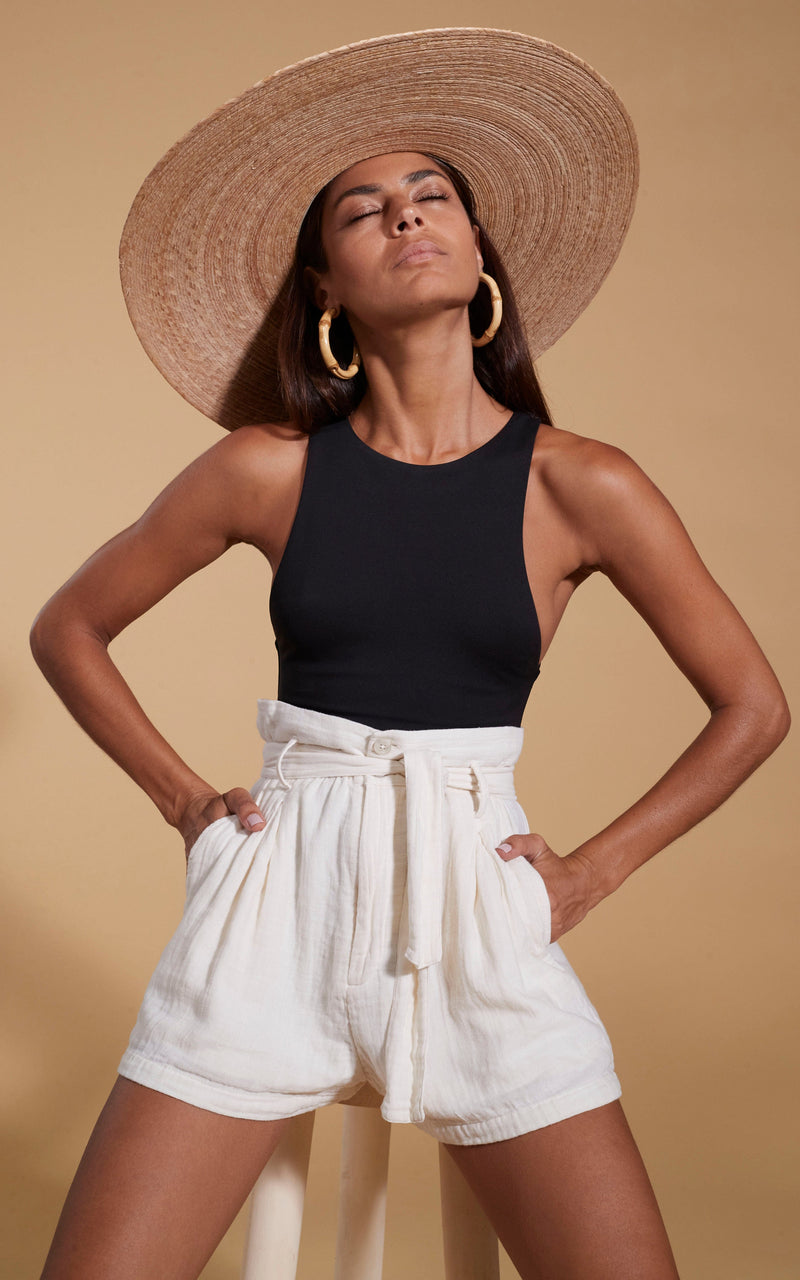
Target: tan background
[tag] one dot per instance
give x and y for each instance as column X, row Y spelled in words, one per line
column 686, row 360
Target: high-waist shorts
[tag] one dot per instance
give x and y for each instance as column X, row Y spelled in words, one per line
column 370, row 938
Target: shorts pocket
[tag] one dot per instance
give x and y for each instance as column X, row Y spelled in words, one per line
column 204, row 841
column 525, row 888
column 535, row 902
column 222, row 839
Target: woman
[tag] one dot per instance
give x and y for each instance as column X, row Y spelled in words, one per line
column 374, row 910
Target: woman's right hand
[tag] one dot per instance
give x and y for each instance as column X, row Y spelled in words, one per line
column 203, row 809
column 216, row 502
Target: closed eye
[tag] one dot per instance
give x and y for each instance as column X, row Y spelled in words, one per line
column 429, row 195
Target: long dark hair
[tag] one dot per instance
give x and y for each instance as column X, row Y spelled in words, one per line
column 313, row 396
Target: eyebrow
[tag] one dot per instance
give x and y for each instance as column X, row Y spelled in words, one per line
column 369, row 188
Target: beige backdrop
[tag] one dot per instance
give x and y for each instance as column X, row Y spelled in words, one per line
column 686, row 360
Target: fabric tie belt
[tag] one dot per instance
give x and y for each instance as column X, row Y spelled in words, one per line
column 427, row 771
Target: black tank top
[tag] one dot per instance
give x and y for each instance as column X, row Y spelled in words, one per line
column 402, row 599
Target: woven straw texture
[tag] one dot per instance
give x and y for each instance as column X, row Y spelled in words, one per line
column 547, row 146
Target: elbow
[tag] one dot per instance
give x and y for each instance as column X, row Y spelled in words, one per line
column 53, row 633
column 770, row 723
column 780, row 721
column 41, row 637
column 762, row 720
column 776, row 716
column 36, row 633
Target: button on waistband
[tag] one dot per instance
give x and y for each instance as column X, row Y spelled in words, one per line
column 381, row 745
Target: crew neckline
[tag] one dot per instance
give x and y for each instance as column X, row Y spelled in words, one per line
column 430, row 466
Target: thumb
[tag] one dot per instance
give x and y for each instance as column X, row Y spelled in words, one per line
column 511, row 847
column 529, row 845
column 242, row 805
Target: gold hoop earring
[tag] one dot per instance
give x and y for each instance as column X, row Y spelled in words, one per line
column 325, row 347
column 497, row 311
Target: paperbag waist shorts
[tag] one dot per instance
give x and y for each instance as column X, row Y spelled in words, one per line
column 370, row 936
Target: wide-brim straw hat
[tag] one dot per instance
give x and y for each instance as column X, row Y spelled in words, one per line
column 546, row 144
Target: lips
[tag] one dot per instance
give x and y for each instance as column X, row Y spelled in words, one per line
column 417, row 248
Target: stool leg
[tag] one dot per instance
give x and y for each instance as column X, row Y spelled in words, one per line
column 363, row 1179
column 275, row 1219
column 471, row 1249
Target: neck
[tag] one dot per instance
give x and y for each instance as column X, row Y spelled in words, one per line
column 423, row 403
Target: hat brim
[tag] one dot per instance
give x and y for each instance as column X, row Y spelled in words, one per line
column 543, row 139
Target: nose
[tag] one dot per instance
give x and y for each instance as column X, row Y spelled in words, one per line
column 408, row 217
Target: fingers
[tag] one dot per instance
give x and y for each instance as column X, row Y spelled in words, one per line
column 242, row 805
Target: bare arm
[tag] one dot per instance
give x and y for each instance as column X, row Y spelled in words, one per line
column 632, row 534
column 205, row 510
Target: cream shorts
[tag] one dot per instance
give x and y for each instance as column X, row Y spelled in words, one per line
column 371, row 936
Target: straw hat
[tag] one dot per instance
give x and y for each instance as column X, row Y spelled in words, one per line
column 544, row 141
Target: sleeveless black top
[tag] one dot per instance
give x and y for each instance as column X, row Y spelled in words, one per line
column 402, row 599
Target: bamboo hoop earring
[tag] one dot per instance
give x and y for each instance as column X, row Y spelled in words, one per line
column 497, row 311
column 325, row 347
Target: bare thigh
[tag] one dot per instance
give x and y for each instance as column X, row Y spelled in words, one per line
column 572, row 1201
column 156, row 1189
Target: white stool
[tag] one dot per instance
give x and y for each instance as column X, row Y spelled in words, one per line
column 276, row 1205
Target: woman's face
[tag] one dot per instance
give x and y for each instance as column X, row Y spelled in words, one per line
column 398, row 243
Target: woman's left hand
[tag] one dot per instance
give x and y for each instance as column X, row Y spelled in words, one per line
column 568, row 880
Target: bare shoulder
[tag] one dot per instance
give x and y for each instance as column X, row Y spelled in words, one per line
column 259, row 448
column 253, row 471
column 573, row 465
column 598, row 488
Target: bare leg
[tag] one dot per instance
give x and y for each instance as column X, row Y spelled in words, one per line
column 156, row 1189
column 572, row 1201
